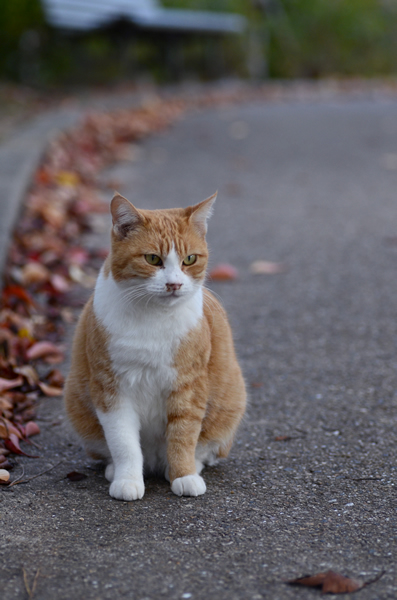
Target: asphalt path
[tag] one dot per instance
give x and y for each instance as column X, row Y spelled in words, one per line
column 310, row 482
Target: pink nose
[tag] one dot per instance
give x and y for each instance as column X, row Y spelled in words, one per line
column 173, row 287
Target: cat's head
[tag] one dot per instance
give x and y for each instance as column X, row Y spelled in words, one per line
column 161, row 255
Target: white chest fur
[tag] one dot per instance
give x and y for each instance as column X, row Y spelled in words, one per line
column 143, row 340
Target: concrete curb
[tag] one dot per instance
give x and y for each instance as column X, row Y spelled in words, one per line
column 19, row 157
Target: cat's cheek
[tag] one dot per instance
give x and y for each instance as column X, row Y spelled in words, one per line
column 189, row 485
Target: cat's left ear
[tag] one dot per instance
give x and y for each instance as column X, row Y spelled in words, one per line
column 200, row 213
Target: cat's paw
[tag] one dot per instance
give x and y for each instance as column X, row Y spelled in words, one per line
column 127, row 489
column 189, row 485
column 109, row 472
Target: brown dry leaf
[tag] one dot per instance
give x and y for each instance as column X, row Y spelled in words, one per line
column 29, row 373
column 4, row 433
column 282, row 438
column 49, row 390
column 55, row 378
column 34, row 272
column 265, row 267
column 9, row 384
column 11, row 428
column 223, row 272
column 330, row 582
column 4, row 476
column 76, row 476
column 44, row 350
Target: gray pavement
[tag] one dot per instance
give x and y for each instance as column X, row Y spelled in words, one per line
column 313, row 186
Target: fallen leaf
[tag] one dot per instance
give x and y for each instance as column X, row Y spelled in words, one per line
column 223, row 272
column 8, row 384
column 34, row 272
column 76, row 476
column 55, row 378
column 330, row 582
column 11, row 428
column 265, row 267
column 16, row 291
column 60, row 283
column 67, row 178
column 43, row 350
column 49, row 390
column 282, row 438
column 29, row 373
column 4, row 464
column 4, row 476
column 31, row 428
column 12, row 443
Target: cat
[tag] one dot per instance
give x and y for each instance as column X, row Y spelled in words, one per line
column 154, row 383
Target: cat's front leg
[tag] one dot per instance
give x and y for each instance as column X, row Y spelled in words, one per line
column 121, row 428
column 183, row 430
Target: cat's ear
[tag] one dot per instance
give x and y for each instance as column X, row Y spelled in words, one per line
column 200, row 213
column 125, row 216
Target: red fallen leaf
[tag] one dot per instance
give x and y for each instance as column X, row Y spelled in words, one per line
column 49, row 390
column 44, row 349
column 223, row 272
column 330, row 582
column 55, row 378
column 16, row 291
column 76, row 476
column 42, row 176
column 12, row 443
column 8, row 384
column 282, row 438
column 31, row 428
column 4, row 464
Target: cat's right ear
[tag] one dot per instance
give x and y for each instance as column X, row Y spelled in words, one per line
column 125, row 216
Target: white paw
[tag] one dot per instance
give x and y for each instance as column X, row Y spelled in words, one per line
column 127, row 489
column 189, row 485
column 109, row 472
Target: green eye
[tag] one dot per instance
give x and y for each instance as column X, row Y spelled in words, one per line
column 190, row 260
column 154, row 260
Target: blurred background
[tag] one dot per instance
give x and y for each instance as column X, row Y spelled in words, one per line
column 278, row 39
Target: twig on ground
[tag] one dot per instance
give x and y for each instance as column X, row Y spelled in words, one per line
column 17, row 480
column 30, row 590
column 34, row 476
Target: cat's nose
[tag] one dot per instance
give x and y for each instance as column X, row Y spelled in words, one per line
column 173, row 287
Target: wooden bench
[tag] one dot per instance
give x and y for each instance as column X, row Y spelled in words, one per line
column 127, row 21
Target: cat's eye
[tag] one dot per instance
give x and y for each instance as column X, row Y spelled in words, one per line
column 154, row 260
column 190, row 260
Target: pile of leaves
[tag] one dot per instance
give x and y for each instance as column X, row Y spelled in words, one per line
column 46, row 262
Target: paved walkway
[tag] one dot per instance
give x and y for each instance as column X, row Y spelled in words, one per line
column 312, row 186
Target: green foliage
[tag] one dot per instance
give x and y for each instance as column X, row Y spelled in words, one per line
column 311, row 38
column 17, row 17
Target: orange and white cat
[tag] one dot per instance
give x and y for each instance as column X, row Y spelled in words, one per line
column 154, row 383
